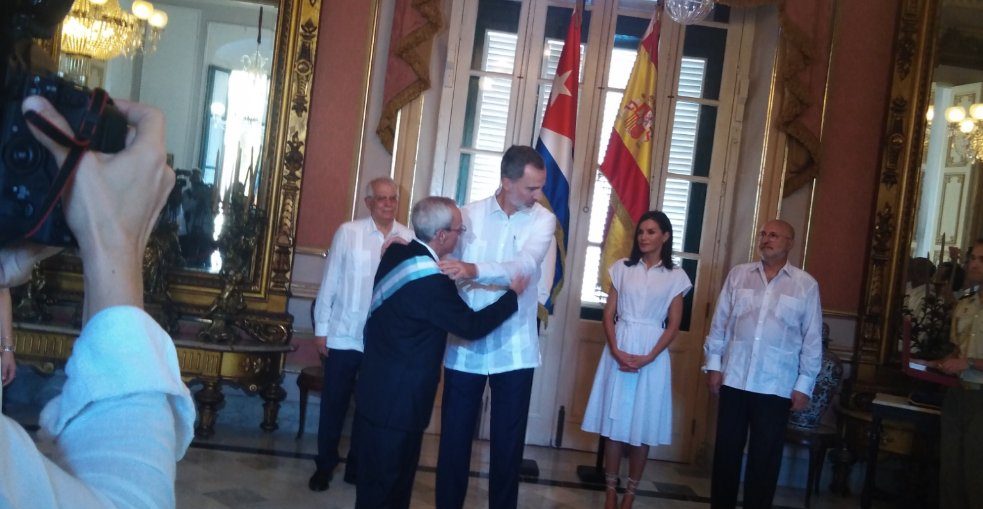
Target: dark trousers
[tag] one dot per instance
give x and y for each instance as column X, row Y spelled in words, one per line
column 961, row 453
column 510, row 392
column 763, row 417
column 340, row 372
column 387, row 461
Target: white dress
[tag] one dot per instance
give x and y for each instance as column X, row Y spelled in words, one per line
column 636, row 408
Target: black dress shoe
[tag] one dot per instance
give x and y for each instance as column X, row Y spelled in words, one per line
column 320, row 480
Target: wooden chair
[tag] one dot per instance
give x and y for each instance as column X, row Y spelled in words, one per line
column 310, row 379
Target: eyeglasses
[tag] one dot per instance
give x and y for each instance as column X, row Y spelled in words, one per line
column 460, row 230
column 772, row 235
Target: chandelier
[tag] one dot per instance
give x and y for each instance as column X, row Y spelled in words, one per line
column 102, row 30
column 687, row 12
column 965, row 130
column 255, row 64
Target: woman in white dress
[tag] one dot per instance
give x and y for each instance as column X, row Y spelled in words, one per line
column 631, row 399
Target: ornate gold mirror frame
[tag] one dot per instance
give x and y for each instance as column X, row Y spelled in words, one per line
column 897, row 187
column 265, row 287
column 254, row 361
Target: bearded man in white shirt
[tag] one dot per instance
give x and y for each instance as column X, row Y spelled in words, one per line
column 762, row 355
column 339, row 318
column 507, row 235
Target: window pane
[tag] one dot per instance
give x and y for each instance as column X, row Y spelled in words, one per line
column 590, row 293
column 495, row 36
column 599, row 207
column 691, row 144
column 487, row 113
column 707, row 44
column 684, row 202
column 692, row 72
column 484, row 171
column 612, row 101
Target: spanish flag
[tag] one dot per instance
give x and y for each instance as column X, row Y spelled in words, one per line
column 628, row 160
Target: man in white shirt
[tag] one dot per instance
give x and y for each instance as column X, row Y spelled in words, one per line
column 762, row 355
column 339, row 318
column 124, row 417
column 508, row 234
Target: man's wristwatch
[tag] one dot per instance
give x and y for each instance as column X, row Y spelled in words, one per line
column 7, row 348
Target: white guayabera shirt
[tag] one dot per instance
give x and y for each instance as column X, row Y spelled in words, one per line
column 501, row 246
column 346, row 289
column 766, row 337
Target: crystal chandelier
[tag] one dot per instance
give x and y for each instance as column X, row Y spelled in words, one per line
column 966, row 130
column 101, row 30
column 255, row 64
column 687, row 12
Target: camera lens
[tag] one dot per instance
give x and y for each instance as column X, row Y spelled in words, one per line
column 22, row 154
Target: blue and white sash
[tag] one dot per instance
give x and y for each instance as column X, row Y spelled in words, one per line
column 406, row 272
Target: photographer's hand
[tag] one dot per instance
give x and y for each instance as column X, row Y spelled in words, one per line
column 112, row 203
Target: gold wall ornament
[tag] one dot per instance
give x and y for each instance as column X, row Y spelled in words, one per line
column 32, row 299
column 237, row 243
column 161, row 257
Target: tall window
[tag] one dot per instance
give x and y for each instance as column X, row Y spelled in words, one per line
column 512, row 41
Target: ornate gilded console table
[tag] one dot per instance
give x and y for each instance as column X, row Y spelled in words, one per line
column 253, row 366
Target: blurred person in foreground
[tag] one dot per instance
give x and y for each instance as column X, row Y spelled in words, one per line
column 124, row 417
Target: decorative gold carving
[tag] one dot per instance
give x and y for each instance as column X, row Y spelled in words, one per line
column 907, row 42
column 897, row 185
column 32, row 299
column 161, row 257
column 199, row 363
column 895, row 140
column 254, row 365
column 883, row 234
column 270, row 332
column 237, row 243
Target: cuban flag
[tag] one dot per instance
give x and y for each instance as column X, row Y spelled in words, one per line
column 555, row 144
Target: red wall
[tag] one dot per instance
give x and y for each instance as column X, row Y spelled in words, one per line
column 335, row 119
column 857, row 98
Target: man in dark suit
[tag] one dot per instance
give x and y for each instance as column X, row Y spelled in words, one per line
column 413, row 308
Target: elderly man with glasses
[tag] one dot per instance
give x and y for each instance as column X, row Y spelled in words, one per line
column 762, row 356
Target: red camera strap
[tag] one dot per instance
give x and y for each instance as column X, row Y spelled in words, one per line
column 77, row 146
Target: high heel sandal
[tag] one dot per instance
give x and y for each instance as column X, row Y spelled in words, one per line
column 630, row 486
column 611, row 491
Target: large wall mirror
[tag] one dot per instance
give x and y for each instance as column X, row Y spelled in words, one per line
column 930, row 194
column 233, row 79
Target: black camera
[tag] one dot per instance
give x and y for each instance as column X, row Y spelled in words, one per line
column 31, row 182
